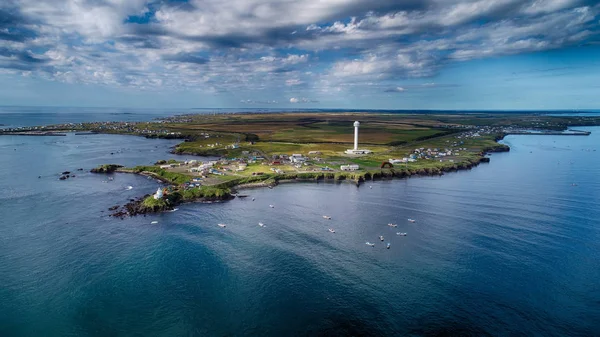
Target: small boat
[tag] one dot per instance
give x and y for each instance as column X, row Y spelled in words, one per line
column 154, row 222
column 252, row 199
column 331, row 230
column 388, row 246
column 392, row 225
column 370, row 186
column 129, row 187
column 222, row 225
column 381, row 237
column 242, row 196
column 370, row 244
column 271, row 206
column 412, row 220
column 401, row 234
column 326, row 217
column 174, row 210
column 261, row 224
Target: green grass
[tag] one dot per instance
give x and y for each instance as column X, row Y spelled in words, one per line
column 173, row 177
column 150, row 202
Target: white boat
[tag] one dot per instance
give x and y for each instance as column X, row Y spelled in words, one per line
column 154, row 222
column 331, row 230
column 271, row 206
column 370, row 186
column 222, row 225
column 388, row 246
column 252, row 199
column 129, row 187
column 412, row 220
column 326, row 217
column 370, row 244
column 392, row 225
column 261, row 224
column 401, row 234
column 174, row 210
column 381, row 237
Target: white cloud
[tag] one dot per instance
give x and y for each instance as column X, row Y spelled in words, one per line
column 301, row 100
column 293, row 81
column 252, row 45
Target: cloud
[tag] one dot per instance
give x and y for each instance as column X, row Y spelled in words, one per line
column 185, row 58
column 302, row 100
column 396, row 89
column 422, row 86
column 293, row 81
column 250, row 46
column 251, row 101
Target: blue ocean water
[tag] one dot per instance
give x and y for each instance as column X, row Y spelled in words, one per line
column 508, row 248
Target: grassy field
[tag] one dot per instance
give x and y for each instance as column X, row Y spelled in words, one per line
column 248, row 136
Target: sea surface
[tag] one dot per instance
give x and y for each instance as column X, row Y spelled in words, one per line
column 508, row 248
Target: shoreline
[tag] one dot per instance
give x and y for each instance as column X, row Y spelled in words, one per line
column 136, row 206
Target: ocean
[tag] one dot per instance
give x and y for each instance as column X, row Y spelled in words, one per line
column 508, row 248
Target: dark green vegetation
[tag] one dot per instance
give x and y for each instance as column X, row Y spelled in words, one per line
column 108, row 168
column 168, row 176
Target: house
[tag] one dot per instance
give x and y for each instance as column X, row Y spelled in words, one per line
column 297, row 158
column 314, row 152
column 352, row 167
column 165, row 167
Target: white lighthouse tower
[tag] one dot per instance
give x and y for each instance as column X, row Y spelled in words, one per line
column 158, row 194
column 355, row 150
column 356, row 125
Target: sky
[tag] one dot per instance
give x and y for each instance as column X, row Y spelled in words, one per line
column 358, row 54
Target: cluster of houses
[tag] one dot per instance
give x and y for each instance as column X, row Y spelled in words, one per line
column 223, row 166
column 423, row 153
column 352, row 167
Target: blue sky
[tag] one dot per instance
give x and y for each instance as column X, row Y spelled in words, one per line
column 375, row 54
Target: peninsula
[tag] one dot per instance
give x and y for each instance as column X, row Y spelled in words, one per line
column 264, row 149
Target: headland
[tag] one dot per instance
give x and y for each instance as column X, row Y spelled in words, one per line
column 264, row 149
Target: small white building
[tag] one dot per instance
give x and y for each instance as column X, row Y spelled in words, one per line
column 297, row 158
column 158, row 194
column 164, row 167
column 352, row 167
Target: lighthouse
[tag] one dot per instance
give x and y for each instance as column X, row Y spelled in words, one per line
column 158, row 194
column 356, row 125
column 356, row 150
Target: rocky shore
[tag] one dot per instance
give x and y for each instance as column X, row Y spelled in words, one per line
column 146, row 205
column 138, row 207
